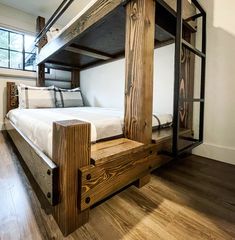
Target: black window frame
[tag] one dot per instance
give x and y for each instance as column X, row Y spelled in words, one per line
column 23, row 52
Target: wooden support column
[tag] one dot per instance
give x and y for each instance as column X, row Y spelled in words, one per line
column 75, row 78
column 143, row 181
column 71, row 151
column 187, row 83
column 140, row 28
column 41, row 67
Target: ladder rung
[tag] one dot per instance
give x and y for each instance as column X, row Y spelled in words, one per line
column 190, row 147
column 188, row 139
column 193, row 18
column 193, row 49
column 192, row 100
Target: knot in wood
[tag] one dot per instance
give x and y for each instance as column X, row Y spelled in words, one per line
column 134, row 16
column 147, row 22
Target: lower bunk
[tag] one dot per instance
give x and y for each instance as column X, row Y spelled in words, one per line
column 80, row 174
column 76, row 173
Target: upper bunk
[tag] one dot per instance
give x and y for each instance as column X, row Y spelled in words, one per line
column 97, row 34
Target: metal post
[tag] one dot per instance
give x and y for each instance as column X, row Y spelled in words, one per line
column 203, row 77
column 178, row 50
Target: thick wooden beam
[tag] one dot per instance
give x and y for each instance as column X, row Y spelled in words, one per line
column 75, row 78
column 140, row 27
column 71, row 151
column 40, row 24
column 114, row 172
column 40, row 75
column 43, row 170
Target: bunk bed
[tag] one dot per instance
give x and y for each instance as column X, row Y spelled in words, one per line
column 80, row 174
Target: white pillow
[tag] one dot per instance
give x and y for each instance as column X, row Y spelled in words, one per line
column 36, row 97
column 68, row 97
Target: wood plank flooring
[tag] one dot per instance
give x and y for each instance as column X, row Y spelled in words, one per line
column 192, row 198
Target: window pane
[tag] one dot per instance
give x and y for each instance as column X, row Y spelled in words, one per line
column 30, row 62
column 3, row 58
column 16, row 42
column 29, row 43
column 3, row 39
column 16, row 60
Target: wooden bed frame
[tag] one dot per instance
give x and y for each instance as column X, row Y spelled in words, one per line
column 80, row 174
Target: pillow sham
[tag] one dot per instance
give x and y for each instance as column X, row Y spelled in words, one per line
column 36, row 97
column 68, row 97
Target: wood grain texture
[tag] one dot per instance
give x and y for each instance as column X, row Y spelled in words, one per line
column 117, row 172
column 143, row 181
column 44, row 171
column 103, row 151
column 40, row 82
column 140, row 29
column 84, row 20
column 75, row 78
column 12, row 96
column 187, row 90
column 40, row 24
column 188, row 199
column 71, row 151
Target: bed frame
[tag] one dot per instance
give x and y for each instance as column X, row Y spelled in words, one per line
column 81, row 174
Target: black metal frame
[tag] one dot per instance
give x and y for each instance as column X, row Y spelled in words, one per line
column 179, row 43
column 54, row 18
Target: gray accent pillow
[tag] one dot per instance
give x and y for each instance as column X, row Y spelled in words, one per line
column 68, row 97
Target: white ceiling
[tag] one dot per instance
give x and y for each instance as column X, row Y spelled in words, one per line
column 45, row 8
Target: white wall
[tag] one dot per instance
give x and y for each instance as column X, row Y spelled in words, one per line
column 219, row 134
column 103, row 86
column 20, row 21
column 17, row 20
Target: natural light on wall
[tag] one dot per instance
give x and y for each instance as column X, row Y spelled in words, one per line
column 224, row 15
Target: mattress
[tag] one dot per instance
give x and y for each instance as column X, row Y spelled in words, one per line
column 37, row 124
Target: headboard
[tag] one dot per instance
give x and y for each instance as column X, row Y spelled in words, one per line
column 12, row 96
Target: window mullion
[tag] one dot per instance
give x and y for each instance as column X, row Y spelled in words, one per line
column 23, row 53
column 9, row 54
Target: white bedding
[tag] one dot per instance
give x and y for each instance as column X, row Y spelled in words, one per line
column 37, row 124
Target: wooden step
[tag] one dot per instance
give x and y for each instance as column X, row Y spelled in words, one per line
column 165, row 134
column 103, row 151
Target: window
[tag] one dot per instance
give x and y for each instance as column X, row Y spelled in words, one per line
column 17, row 51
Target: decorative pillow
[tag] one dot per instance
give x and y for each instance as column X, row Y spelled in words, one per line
column 36, row 97
column 68, row 97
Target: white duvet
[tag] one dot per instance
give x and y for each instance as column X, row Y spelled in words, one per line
column 37, row 124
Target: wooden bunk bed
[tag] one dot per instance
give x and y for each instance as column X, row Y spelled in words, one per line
column 81, row 174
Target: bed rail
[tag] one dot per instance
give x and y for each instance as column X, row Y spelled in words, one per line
column 53, row 19
column 43, row 170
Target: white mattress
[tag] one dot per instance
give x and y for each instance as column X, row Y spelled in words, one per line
column 37, row 124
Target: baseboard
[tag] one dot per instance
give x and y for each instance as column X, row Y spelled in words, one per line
column 216, row 152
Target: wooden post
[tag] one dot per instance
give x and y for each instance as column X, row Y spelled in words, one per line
column 71, row 151
column 41, row 67
column 187, row 83
column 140, row 29
column 75, row 78
column 143, row 181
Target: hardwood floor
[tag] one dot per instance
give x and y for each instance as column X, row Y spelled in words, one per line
column 192, row 198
